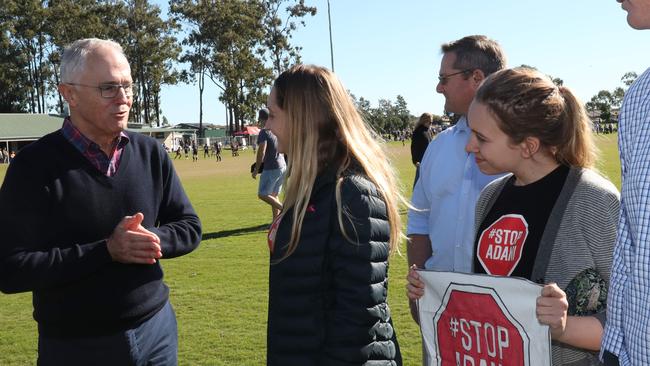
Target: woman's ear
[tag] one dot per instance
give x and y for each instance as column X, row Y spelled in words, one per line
column 529, row 147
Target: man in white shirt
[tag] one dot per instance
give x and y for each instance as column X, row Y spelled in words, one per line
column 441, row 228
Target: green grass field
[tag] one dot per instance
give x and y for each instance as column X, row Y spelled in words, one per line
column 220, row 290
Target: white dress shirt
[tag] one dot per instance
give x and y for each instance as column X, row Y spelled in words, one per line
column 445, row 196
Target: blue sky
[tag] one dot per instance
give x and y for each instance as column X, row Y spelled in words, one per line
column 385, row 48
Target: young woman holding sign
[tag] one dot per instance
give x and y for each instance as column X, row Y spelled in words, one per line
column 553, row 220
column 328, row 279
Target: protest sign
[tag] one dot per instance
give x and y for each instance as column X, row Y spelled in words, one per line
column 501, row 244
column 480, row 320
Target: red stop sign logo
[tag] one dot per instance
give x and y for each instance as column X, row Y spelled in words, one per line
column 501, row 244
column 475, row 329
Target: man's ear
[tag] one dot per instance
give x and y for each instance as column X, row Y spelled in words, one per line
column 68, row 93
column 529, row 147
column 477, row 77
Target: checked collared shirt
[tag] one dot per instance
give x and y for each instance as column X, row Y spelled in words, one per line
column 107, row 165
column 627, row 331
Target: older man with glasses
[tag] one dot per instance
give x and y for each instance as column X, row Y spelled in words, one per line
column 441, row 228
column 87, row 213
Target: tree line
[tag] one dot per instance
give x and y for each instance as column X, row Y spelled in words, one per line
column 239, row 45
column 388, row 116
column 34, row 32
column 606, row 102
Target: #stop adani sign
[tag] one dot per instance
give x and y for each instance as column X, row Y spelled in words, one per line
column 500, row 245
column 472, row 329
column 479, row 320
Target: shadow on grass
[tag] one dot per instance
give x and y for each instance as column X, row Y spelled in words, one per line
column 234, row 232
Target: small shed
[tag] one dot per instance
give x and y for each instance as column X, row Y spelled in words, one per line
column 20, row 129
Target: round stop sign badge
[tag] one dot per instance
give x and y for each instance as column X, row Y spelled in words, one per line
column 501, row 244
column 474, row 328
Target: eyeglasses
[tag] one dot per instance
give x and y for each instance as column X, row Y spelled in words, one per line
column 110, row 91
column 442, row 79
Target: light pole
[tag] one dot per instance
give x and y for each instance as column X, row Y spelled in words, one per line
column 329, row 18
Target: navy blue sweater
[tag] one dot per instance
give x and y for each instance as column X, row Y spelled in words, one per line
column 56, row 212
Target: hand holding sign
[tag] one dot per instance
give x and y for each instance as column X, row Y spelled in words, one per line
column 414, row 286
column 481, row 320
column 552, row 309
column 414, row 291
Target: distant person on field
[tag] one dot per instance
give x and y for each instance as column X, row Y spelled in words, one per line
column 328, row 279
column 217, row 150
column 206, row 151
column 234, row 147
column 627, row 332
column 87, row 213
column 195, row 152
column 274, row 166
column 419, row 141
column 178, row 152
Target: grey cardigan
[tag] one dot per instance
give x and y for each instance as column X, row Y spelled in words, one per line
column 580, row 234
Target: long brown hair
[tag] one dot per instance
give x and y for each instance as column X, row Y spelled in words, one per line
column 325, row 131
column 528, row 103
column 426, row 117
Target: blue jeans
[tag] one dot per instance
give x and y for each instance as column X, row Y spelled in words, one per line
column 152, row 343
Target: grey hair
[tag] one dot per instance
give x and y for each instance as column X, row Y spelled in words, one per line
column 74, row 56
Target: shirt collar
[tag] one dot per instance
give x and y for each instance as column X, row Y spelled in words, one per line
column 82, row 143
column 462, row 126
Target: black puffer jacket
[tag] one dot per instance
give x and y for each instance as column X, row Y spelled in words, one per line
column 327, row 301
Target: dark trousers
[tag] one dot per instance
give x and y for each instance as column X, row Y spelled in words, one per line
column 152, row 343
column 417, row 175
column 610, row 359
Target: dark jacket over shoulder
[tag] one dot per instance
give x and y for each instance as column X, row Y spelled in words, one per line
column 419, row 142
column 57, row 212
column 327, row 301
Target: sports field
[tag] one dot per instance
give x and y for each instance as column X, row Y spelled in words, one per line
column 220, row 290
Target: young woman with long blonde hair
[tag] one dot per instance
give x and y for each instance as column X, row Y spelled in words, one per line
column 330, row 245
